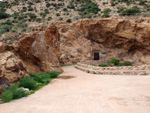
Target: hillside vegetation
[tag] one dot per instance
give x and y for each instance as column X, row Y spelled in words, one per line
column 19, row 15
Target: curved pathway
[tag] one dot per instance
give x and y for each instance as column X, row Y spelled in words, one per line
column 79, row 92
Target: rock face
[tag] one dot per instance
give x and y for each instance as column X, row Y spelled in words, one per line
column 12, row 69
column 126, row 39
column 37, row 53
column 2, row 47
column 67, row 43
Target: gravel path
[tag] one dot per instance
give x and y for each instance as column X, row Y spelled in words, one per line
column 79, row 92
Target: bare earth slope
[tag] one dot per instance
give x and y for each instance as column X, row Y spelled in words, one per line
column 78, row 92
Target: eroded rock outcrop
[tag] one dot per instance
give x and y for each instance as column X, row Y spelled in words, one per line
column 12, row 69
column 67, row 43
column 126, row 39
column 37, row 53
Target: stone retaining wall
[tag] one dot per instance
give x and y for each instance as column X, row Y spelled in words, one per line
column 124, row 70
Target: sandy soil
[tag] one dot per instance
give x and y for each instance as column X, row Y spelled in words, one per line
column 79, row 92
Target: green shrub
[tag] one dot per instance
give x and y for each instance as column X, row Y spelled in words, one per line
column 127, row 63
column 49, row 18
column 43, row 14
column 28, row 82
column 3, row 15
column 88, row 71
column 103, row 65
column 33, row 83
column 12, row 92
column 40, row 78
column 18, row 93
column 54, row 74
column 7, row 96
column 24, row 29
column 107, row 10
column 38, row 19
column 130, row 11
column 114, row 61
column 57, row 14
column 69, row 20
column 44, row 78
column 105, row 15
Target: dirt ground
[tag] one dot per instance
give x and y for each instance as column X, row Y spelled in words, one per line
column 79, row 92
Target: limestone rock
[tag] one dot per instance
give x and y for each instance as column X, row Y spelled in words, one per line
column 38, row 53
column 126, row 39
column 12, row 69
column 2, row 47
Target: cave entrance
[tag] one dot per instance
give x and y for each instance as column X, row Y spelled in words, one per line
column 96, row 55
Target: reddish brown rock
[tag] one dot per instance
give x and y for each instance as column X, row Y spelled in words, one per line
column 37, row 53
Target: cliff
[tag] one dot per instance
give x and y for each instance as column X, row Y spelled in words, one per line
column 126, row 39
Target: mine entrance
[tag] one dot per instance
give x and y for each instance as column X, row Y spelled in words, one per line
column 96, row 56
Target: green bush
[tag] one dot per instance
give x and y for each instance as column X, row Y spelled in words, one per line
column 33, row 83
column 114, row 61
column 69, row 20
column 40, row 78
column 28, row 82
column 57, row 14
column 49, row 18
column 43, row 14
column 18, row 93
column 105, row 15
column 130, row 11
column 24, row 29
column 44, row 78
column 7, row 96
column 12, row 92
column 107, row 10
column 3, row 15
column 127, row 63
column 103, row 65
column 54, row 74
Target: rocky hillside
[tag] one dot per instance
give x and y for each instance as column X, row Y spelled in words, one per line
column 21, row 15
column 120, row 38
column 65, row 43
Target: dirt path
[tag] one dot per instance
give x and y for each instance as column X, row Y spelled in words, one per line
column 79, row 92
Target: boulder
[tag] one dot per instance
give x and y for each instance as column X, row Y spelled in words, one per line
column 38, row 54
column 12, row 69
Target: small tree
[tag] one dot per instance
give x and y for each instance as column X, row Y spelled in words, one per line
column 114, row 61
column 69, row 21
